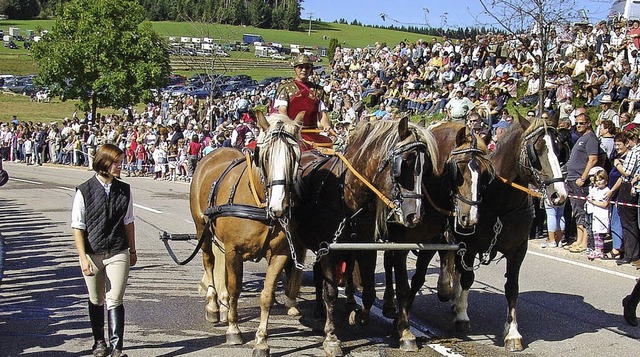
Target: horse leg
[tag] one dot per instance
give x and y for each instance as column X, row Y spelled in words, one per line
column 220, row 279
column 212, row 310
column 461, row 296
column 389, row 307
column 366, row 265
column 293, row 281
column 446, row 276
column 419, row 277
column 234, row 283
column 331, row 343
column 267, row 297
column 350, row 291
column 513, row 338
column 407, row 339
column 319, row 312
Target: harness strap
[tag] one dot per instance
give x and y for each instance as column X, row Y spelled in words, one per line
column 252, row 184
column 433, row 204
column 384, row 199
column 521, row 188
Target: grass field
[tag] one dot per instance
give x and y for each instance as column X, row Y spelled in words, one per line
column 19, row 61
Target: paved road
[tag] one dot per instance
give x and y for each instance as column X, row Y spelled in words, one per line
column 568, row 306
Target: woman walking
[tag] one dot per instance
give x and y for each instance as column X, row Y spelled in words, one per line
column 104, row 234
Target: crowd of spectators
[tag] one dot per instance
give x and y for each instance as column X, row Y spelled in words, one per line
column 442, row 78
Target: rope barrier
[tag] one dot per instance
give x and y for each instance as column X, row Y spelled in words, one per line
column 613, row 203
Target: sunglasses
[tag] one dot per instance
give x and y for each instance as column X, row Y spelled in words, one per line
column 581, row 123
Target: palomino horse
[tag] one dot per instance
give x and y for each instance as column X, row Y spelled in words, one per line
column 227, row 195
column 525, row 154
column 452, row 198
column 339, row 204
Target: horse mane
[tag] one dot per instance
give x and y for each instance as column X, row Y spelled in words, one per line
column 281, row 122
column 373, row 140
column 507, row 153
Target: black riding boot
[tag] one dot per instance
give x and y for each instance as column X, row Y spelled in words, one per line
column 116, row 331
column 96, row 316
column 630, row 303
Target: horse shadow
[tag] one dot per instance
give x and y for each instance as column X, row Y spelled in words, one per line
column 542, row 316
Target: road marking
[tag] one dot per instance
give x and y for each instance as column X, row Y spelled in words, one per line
column 26, row 181
column 146, row 208
column 66, row 188
column 582, row 265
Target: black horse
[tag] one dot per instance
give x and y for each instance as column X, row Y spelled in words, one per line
column 526, row 154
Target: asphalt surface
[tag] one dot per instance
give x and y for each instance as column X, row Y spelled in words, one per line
column 568, row 306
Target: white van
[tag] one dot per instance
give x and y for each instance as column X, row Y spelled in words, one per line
column 626, row 9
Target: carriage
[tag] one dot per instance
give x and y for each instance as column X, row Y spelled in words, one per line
column 332, row 203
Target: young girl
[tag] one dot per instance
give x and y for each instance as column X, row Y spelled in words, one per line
column 598, row 206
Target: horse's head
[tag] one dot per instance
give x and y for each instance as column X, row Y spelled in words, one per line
column 410, row 161
column 278, row 156
column 471, row 172
column 539, row 154
column 393, row 156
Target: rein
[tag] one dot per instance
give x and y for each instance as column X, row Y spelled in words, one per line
column 380, row 195
column 521, row 188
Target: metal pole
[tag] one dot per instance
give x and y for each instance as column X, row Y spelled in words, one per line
column 310, row 14
column 392, row 246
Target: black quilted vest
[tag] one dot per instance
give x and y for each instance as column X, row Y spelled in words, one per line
column 104, row 216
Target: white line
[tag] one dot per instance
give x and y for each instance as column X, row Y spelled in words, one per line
column 445, row 351
column 582, row 265
column 146, row 208
column 66, row 188
column 26, row 181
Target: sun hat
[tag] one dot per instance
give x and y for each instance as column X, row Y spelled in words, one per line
column 606, row 99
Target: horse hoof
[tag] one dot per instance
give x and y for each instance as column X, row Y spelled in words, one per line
column 212, row 316
column 332, row 349
column 514, row 345
column 409, row 345
column 293, row 311
column 463, row 326
column 261, row 352
column 389, row 312
column 234, row 339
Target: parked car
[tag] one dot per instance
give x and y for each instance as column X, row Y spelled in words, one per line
column 319, row 70
column 221, row 53
column 278, row 56
column 265, row 82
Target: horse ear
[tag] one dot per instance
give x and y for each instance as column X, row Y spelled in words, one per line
column 298, row 118
column 461, row 136
column 403, row 128
column 524, row 123
column 263, row 123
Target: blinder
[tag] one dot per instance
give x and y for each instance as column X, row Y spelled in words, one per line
column 533, row 156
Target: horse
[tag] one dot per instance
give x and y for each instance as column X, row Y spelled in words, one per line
column 452, row 196
column 350, row 198
column 242, row 203
column 525, row 155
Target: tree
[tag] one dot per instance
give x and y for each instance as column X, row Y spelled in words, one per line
column 103, row 53
column 333, row 43
column 526, row 19
column 20, row 9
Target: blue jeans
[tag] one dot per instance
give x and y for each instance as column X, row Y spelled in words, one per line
column 616, row 228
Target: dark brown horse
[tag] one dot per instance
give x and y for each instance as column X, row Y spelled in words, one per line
column 337, row 205
column 525, row 155
column 241, row 202
column 452, row 198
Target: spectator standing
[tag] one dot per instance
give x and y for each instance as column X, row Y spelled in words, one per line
column 458, row 106
column 193, row 154
column 629, row 215
column 584, row 156
column 598, row 206
column 620, row 142
column 104, row 235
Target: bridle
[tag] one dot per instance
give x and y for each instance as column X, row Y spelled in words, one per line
column 530, row 161
column 395, row 157
column 473, row 165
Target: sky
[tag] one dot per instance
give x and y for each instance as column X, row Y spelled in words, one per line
column 413, row 13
